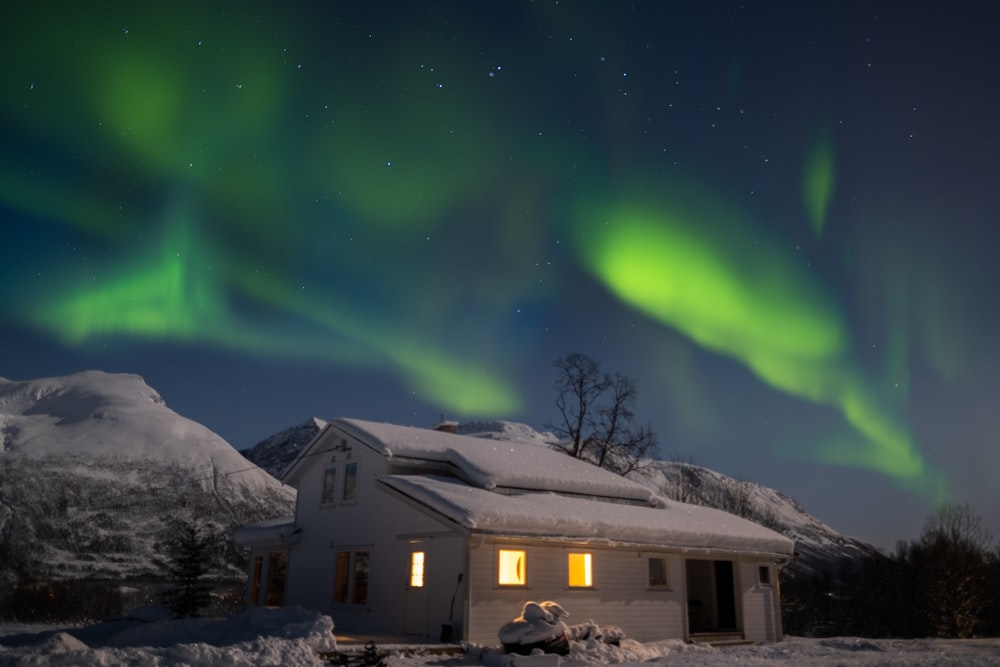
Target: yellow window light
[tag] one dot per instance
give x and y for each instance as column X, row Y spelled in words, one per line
column 511, row 571
column 417, row 569
column 580, row 572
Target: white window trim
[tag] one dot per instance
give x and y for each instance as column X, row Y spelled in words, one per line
column 357, row 482
column 569, row 587
column 769, row 584
column 496, row 568
column 664, row 587
column 323, row 502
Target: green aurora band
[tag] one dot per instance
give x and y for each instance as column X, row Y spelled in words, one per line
column 175, row 294
column 264, row 171
column 819, row 181
column 694, row 269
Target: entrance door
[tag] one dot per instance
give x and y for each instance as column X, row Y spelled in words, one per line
column 711, row 593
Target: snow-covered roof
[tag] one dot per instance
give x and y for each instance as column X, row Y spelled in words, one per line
column 274, row 531
column 490, row 464
column 551, row 516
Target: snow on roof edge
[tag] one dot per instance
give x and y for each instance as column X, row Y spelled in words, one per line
column 491, row 463
column 549, row 516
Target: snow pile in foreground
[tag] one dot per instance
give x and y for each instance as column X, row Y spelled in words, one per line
column 290, row 637
column 293, row 637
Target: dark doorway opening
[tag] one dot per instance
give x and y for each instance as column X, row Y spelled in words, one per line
column 711, row 593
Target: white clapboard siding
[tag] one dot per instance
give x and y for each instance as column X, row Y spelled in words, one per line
column 387, row 529
column 620, row 596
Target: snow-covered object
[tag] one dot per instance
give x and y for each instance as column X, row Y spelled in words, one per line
column 289, row 637
column 489, row 464
column 540, row 625
column 266, row 642
column 573, row 518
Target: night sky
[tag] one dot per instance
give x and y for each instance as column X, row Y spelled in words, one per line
column 780, row 218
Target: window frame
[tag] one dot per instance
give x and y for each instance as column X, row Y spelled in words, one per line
column 351, row 569
column 522, row 578
column 767, row 580
column 342, row 576
column 256, row 580
column 418, row 568
column 351, row 483
column 588, row 569
column 276, row 586
column 652, row 586
column 328, row 492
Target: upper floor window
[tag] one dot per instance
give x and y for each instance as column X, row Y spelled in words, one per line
column 350, row 481
column 329, row 485
column 579, row 567
column 511, row 570
column 764, row 575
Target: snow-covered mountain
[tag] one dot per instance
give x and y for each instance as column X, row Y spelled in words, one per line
column 818, row 545
column 275, row 452
column 94, row 467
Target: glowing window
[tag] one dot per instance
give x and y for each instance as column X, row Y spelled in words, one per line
column 580, row 573
column 511, row 571
column 417, row 569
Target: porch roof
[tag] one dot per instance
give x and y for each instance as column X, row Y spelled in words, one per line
column 579, row 519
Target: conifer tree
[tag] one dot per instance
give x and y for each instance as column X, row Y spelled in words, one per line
column 188, row 552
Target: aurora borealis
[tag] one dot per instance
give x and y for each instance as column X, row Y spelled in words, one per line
column 780, row 220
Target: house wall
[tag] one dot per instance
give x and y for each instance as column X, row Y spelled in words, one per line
column 761, row 607
column 620, row 596
column 389, row 530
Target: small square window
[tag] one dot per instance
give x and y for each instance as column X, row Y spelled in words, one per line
column 657, row 572
column 511, row 568
column 580, row 572
column 351, row 482
column 329, row 485
column 764, row 575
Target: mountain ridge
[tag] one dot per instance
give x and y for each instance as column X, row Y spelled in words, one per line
column 95, row 470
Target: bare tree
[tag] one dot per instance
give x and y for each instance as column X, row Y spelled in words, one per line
column 954, row 552
column 597, row 420
column 579, row 384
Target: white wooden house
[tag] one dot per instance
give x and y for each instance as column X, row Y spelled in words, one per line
column 412, row 531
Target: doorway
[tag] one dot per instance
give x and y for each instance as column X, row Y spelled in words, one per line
column 711, row 596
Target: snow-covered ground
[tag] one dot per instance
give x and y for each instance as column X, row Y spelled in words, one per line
column 293, row 637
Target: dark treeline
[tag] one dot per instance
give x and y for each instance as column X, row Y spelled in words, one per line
column 944, row 584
